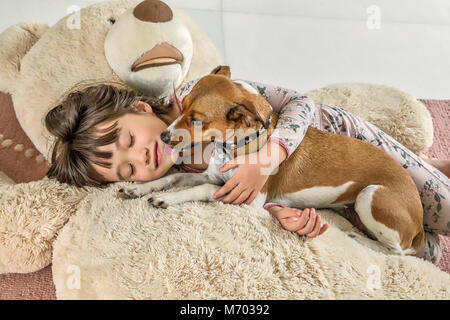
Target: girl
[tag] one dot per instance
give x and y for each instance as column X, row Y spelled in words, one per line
column 104, row 122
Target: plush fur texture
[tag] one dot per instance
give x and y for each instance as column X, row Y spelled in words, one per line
column 128, row 250
column 31, row 215
column 26, row 240
column 62, row 57
column 16, row 41
column 397, row 113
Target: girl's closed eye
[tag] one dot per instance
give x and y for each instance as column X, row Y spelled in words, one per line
column 132, row 170
column 131, row 144
column 131, row 140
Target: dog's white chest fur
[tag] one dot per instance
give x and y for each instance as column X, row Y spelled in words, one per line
column 218, row 158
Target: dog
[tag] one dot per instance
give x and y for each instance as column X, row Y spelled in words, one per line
column 325, row 171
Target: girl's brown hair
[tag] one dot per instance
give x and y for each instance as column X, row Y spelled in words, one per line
column 73, row 122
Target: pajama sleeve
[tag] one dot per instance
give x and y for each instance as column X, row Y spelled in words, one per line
column 184, row 90
column 296, row 113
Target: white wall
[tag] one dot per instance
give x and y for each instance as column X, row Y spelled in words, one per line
column 307, row 44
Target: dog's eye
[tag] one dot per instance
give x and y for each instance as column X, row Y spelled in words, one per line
column 112, row 20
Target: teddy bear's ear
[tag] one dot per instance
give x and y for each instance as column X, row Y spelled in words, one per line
column 15, row 42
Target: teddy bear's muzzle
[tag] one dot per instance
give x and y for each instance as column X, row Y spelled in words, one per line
column 160, row 55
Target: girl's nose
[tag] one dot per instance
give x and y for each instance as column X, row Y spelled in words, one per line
column 146, row 156
column 141, row 157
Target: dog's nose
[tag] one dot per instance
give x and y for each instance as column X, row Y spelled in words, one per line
column 153, row 11
column 165, row 137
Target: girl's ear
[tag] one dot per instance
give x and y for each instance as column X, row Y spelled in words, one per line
column 142, row 106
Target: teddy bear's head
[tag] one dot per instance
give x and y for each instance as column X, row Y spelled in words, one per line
column 41, row 64
column 150, row 48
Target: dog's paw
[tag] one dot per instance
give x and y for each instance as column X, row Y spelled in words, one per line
column 131, row 192
column 157, row 202
column 164, row 200
column 138, row 190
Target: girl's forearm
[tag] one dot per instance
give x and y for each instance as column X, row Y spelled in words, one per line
column 279, row 149
column 272, row 151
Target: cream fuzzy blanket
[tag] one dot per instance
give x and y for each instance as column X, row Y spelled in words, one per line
column 115, row 249
column 109, row 248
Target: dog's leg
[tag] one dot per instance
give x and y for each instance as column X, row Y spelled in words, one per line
column 202, row 192
column 380, row 202
column 171, row 181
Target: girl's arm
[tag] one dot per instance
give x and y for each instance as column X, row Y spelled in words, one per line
column 296, row 111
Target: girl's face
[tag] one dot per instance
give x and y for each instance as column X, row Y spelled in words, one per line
column 139, row 153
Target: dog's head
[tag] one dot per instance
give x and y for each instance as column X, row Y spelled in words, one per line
column 216, row 108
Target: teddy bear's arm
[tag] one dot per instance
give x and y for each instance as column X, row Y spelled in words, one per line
column 15, row 42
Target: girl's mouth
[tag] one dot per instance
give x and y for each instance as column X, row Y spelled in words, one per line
column 155, row 155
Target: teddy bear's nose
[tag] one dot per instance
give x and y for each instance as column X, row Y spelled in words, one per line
column 153, row 11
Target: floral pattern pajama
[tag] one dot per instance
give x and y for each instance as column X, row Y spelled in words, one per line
column 297, row 112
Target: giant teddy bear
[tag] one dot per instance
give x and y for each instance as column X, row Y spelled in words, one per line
column 122, row 246
column 40, row 63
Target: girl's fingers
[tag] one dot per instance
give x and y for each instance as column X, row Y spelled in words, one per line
column 244, row 195
column 234, row 194
column 252, row 197
column 310, row 224
column 295, row 222
column 303, row 218
column 316, row 229
column 230, row 185
column 227, row 166
column 323, row 229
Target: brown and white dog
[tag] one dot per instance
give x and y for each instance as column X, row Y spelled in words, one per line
column 326, row 170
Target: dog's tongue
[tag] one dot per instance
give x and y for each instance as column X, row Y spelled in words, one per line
column 167, row 149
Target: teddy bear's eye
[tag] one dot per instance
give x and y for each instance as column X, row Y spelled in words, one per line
column 112, row 20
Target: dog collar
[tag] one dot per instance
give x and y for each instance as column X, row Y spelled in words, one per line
column 244, row 141
column 226, row 146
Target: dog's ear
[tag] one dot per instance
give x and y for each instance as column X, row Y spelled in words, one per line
column 241, row 113
column 223, row 70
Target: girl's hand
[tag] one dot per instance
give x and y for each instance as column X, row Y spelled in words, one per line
column 305, row 222
column 253, row 172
